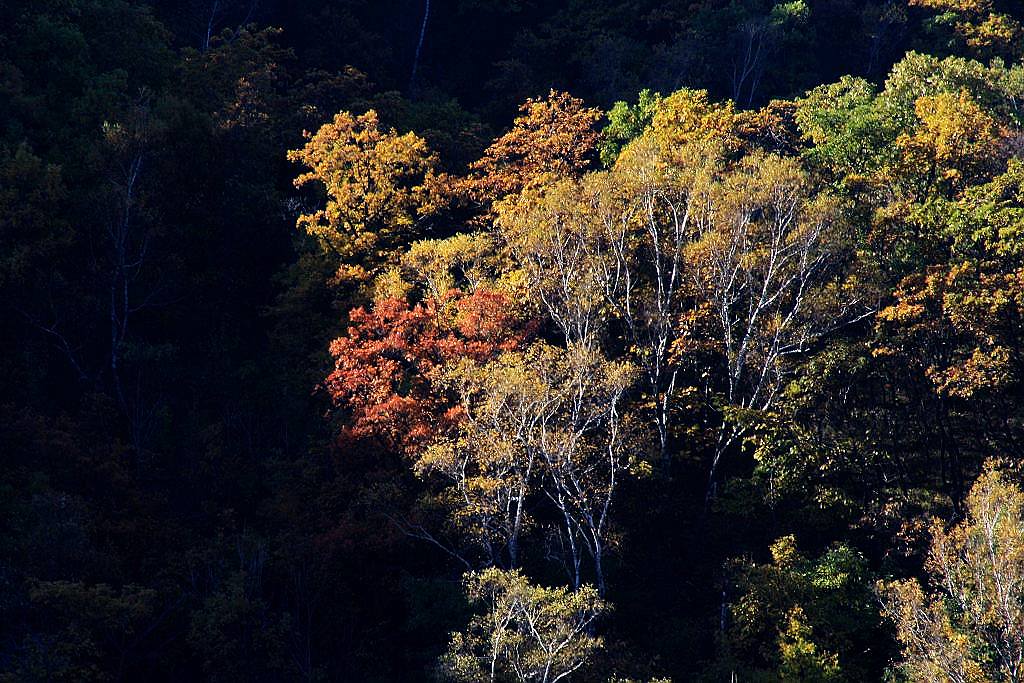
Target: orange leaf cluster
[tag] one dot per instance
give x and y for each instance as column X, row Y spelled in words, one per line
column 385, row 364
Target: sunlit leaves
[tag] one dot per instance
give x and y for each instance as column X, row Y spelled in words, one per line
column 376, row 186
column 385, row 363
column 554, row 137
column 976, row 24
column 523, row 633
column 967, row 624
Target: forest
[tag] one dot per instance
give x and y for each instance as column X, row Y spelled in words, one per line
column 624, row 341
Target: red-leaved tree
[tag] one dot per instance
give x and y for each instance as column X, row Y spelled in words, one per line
column 384, row 364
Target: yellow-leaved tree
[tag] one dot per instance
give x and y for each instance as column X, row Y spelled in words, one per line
column 524, row 633
column 967, row 624
column 546, row 423
column 976, row 24
column 377, row 184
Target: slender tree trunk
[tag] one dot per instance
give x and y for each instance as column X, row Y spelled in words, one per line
column 419, row 46
column 211, row 21
column 599, row 568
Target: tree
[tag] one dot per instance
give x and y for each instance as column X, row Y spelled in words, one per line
column 526, row 633
column 953, row 329
column 956, row 144
column 968, row 624
column 850, row 133
column 766, row 274
column 552, row 137
column 377, row 189
column 689, row 125
column 611, row 246
column 550, row 233
column 959, row 325
column 961, row 315
column 32, row 233
column 656, row 197
column 937, row 128
column 975, row 24
column 103, row 628
column 130, row 232
column 466, row 261
column 543, row 422
column 933, row 118
column 34, row 241
column 385, row 363
column 489, row 464
column 798, row 618
column 242, row 78
column 755, row 39
column 626, row 122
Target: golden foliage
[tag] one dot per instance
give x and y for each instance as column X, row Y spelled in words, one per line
column 525, row 632
column 956, row 144
column 975, row 23
column 376, row 184
column 970, row 627
column 554, row 137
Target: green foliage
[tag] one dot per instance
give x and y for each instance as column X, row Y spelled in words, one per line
column 846, row 126
column 800, row 619
column 627, row 122
column 99, row 623
column 33, row 231
column 238, row 636
column 525, row 633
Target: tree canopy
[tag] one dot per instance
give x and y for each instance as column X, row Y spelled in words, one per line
column 580, row 340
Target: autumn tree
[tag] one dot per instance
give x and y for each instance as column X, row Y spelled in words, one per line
column 976, row 24
column 554, row 136
column 956, row 143
column 392, row 350
column 799, row 618
column 955, row 327
column 766, row 274
column 854, row 128
column 937, row 127
column 610, row 246
column 376, row 182
column 488, row 473
column 173, row 502
column 543, row 423
column 523, row 633
column 550, row 233
column 657, row 197
column 463, row 262
column 967, row 623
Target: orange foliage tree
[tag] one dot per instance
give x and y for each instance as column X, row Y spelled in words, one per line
column 385, row 363
column 552, row 137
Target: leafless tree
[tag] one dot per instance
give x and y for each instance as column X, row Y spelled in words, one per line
column 216, row 15
column 133, row 285
column 754, row 41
